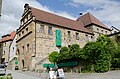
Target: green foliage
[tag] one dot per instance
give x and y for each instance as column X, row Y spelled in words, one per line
column 74, row 51
column 64, row 54
column 116, row 58
column 53, row 57
column 99, row 54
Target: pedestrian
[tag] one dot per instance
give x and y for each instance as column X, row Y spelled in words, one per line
column 47, row 70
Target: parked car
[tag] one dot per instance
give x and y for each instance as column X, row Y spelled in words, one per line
column 16, row 68
column 2, row 69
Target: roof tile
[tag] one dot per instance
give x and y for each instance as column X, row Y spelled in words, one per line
column 58, row 20
column 88, row 19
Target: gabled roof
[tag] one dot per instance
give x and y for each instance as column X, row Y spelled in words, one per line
column 58, row 20
column 89, row 19
column 8, row 37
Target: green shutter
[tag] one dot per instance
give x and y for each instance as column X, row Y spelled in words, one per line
column 58, row 38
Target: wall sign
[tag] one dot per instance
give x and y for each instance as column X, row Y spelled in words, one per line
column 58, row 38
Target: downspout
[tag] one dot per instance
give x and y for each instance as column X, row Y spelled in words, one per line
column 35, row 36
column 35, row 41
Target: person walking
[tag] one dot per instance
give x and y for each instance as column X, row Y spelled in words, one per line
column 47, row 70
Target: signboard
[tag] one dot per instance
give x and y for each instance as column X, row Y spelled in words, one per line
column 58, row 38
column 61, row 73
column 52, row 74
column 66, row 64
column 50, row 65
column 16, row 62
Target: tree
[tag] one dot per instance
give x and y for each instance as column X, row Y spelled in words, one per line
column 74, row 51
column 99, row 54
column 116, row 58
column 64, row 54
column 53, row 57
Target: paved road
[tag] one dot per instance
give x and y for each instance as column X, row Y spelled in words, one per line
column 34, row 75
column 24, row 75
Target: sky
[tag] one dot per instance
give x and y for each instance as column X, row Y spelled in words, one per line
column 107, row 11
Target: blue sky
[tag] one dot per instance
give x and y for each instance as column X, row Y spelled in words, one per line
column 64, row 5
column 107, row 11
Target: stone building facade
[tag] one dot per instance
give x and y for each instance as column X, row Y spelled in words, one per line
column 41, row 32
column 5, row 46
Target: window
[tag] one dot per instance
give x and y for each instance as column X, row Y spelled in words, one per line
column 28, row 47
column 22, row 32
column 18, row 52
column 105, row 32
column 68, row 34
column 42, row 28
column 19, row 34
column 23, row 49
column 97, row 29
column 102, row 31
column 4, row 53
column 91, row 37
column 77, row 36
column 27, row 29
column 50, row 30
column 5, row 44
column 13, row 49
column 87, row 39
column 69, row 46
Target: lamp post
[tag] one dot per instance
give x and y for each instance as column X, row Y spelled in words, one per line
column 0, row 7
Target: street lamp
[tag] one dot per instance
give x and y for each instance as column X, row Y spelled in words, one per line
column 0, row 7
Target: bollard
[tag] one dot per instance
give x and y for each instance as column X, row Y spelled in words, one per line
column 9, row 76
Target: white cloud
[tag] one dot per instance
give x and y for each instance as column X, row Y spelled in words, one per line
column 12, row 11
column 107, row 11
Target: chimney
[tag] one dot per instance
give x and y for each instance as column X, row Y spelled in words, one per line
column 26, row 5
column 80, row 14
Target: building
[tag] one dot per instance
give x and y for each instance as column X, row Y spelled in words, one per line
column 42, row 32
column 5, row 46
column 13, row 56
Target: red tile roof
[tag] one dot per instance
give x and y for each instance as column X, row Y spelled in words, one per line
column 88, row 19
column 8, row 38
column 58, row 20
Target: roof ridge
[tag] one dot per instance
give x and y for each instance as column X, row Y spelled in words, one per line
column 53, row 14
column 58, row 20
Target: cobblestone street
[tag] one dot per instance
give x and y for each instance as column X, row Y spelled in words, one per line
column 34, row 75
